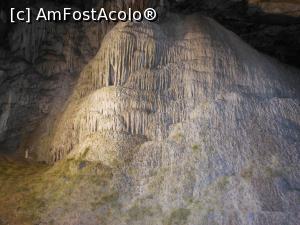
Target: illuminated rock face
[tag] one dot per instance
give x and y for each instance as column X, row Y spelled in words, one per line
column 146, row 78
column 39, row 62
column 209, row 126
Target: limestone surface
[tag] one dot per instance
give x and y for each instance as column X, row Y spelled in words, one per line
column 201, row 128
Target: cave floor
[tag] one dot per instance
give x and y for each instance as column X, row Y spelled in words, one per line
column 34, row 193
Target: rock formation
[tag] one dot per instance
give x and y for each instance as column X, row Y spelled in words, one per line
column 182, row 122
column 205, row 128
column 38, row 62
column 38, row 71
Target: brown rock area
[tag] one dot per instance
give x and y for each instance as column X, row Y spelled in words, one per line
column 289, row 7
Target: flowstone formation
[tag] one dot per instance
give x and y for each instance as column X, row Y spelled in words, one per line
column 39, row 64
column 199, row 127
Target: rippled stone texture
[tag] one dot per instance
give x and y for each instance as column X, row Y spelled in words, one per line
column 41, row 61
column 202, row 128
